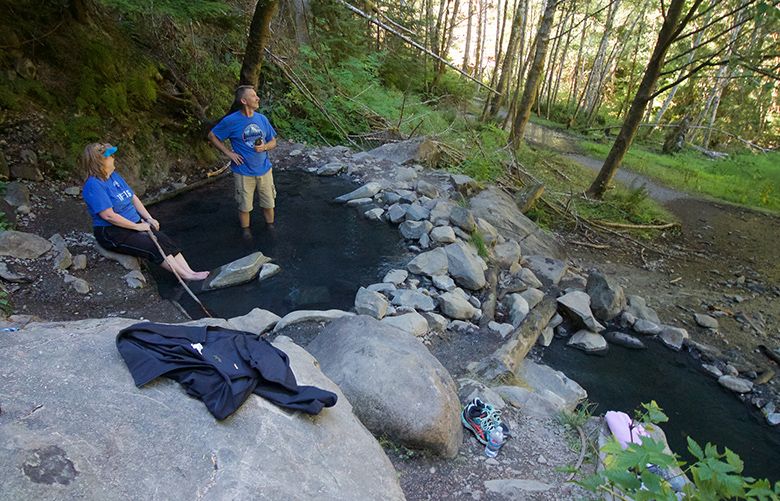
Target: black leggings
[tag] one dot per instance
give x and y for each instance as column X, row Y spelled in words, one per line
column 135, row 243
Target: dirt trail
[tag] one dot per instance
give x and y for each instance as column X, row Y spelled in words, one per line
column 725, row 262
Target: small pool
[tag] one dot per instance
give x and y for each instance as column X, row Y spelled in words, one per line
column 695, row 403
column 326, row 251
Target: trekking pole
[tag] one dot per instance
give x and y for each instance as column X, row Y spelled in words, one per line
column 162, row 253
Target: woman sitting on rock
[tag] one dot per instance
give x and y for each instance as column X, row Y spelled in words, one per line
column 120, row 221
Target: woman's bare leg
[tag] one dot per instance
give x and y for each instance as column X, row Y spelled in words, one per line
column 198, row 275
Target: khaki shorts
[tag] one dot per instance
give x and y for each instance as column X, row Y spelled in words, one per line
column 246, row 187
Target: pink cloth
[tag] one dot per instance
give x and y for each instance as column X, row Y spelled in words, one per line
column 620, row 425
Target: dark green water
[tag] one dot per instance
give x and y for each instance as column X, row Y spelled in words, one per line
column 326, row 251
column 695, row 403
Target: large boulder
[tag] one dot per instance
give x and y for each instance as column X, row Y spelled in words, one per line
column 23, row 245
column 17, row 194
column 235, row 273
column 413, row 299
column 498, row 208
column 465, row 266
column 548, row 270
column 397, row 388
column 577, row 306
column 457, row 307
column 368, row 190
column 70, row 434
column 420, row 150
column 607, row 299
column 370, row 303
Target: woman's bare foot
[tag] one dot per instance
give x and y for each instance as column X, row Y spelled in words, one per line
column 199, row 275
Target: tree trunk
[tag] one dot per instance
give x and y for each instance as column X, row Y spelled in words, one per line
column 467, row 49
column 259, row 32
column 508, row 65
column 643, row 95
column 534, row 75
column 599, row 64
column 576, row 77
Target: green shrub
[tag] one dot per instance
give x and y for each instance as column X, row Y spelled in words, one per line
column 714, row 475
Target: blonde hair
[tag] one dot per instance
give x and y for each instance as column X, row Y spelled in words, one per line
column 91, row 160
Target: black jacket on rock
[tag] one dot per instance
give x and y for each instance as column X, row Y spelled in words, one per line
column 221, row 367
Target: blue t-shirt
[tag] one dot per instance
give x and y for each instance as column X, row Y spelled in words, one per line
column 243, row 131
column 115, row 193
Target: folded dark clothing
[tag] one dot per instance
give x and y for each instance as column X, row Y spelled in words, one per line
column 221, row 367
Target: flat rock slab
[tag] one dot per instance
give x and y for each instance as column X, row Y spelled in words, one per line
column 238, row 272
column 548, row 270
column 67, row 433
column 298, row 316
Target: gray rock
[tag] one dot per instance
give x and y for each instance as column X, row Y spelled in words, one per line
column 436, row 322
column 712, row 370
column 544, row 380
column 573, row 281
column 382, row 287
column 589, row 342
column 532, row 297
column 127, row 262
column 515, row 488
column 427, row 189
column 443, row 235
column 23, row 210
column 443, row 282
column 357, row 202
column 331, row 169
column 705, row 321
column 135, row 279
column 16, row 194
column 22, row 245
column 555, row 321
column 646, row 327
column 607, row 299
column 103, row 438
column 773, row 419
column 547, row 269
column 413, row 230
column 257, row 321
column 11, row 276
column 73, row 191
column 370, row 303
column 456, row 307
column 431, row 263
column 413, row 323
column 238, row 272
column 79, row 262
column 499, row 209
column 463, row 327
column 624, row 340
column 577, row 306
column 78, row 284
column 673, row 337
column 405, row 174
column 518, row 308
column 469, row 389
column 417, row 212
column 627, row 319
column 26, row 171
column 638, row 307
column 395, row 277
column 464, row 266
column 63, row 260
column 350, row 352
column 463, row 184
column 440, row 214
column 413, row 299
column 488, row 231
column 396, row 213
column 407, row 197
column 425, row 241
column 501, row 329
column 374, row 214
column 267, row 271
column 300, row 316
column 366, row 191
column 546, row 337
column 463, row 219
column 506, row 254
column 735, row 384
column 529, row 278
column 419, row 150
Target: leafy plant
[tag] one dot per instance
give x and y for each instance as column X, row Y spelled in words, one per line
column 5, row 303
column 478, row 241
column 631, row 473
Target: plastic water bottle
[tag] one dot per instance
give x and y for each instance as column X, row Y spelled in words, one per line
column 494, row 443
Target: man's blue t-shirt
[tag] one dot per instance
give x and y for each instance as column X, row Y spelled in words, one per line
column 115, row 193
column 243, row 131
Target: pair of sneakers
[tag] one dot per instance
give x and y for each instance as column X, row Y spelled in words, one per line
column 482, row 418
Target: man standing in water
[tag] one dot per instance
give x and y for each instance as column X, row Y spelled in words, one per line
column 251, row 136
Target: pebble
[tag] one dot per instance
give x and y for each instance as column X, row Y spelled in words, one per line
column 492, row 461
column 541, row 460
